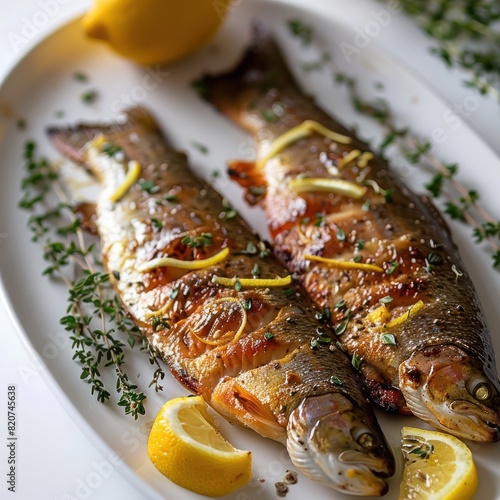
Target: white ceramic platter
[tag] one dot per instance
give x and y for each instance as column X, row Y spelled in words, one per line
column 42, row 84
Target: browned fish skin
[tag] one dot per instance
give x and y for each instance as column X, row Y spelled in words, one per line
column 277, row 369
column 445, row 350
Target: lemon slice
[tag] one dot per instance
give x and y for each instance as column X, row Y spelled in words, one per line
column 185, row 446
column 437, row 467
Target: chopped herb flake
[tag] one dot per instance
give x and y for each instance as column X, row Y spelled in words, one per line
column 393, row 265
column 81, row 77
column 200, row 147
column 247, row 304
column 388, row 339
column 110, row 149
column 457, row 272
column 174, row 293
column 89, row 97
column 341, row 328
column 156, row 223
column 386, row 299
column 268, row 335
column 230, row 213
column 269, row 116
column 340, row 305
column 149, row 186
column 301, row 30
column 356, row 362
column 335, row 380
column 359, row 245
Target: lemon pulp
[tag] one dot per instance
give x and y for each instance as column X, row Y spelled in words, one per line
column 437, row 467
column 185, row 446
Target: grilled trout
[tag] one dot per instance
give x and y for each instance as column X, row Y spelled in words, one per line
column 221, row 310
column 376, row 257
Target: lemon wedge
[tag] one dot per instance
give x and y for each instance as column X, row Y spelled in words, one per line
column 155, row 31
column 437, row 467
column 185, row 446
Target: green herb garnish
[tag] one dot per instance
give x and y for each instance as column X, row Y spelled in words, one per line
column 356, row 362
column 301, row 30
column 202, row 241
column 388, row 339
column 95, row 321
column 255, row 271
column 149, row 186
column 200, row 147
column 393, row 265
column 81, row 77
column 247, row 304
column 386, row 299
column 89, row 97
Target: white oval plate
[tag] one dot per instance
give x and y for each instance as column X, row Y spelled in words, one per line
column 42, row 83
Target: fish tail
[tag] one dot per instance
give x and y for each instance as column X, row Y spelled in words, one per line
column 71, row 141
column 262, row 64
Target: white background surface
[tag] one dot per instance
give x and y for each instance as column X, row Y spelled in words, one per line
column 54, row 457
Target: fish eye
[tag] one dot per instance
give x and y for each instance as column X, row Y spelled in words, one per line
column 481, row 392
column 363, row 437
column 479, row 388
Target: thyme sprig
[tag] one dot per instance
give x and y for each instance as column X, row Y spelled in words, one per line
column 95, row 320
column 466, row 35
column 461, row 203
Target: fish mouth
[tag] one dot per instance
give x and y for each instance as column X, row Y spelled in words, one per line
column 446, row 388
column 482, row 423
column 324, row 436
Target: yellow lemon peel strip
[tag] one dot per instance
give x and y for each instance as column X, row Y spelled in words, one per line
column 344, row 264
column 348, row 158
column 379, row 315
column 250, row 282
column 305, row 129
column 365, row 158
column 184, row 264
column 337, row 186
column 238, row 332
column 413, row 311
column 133, row 174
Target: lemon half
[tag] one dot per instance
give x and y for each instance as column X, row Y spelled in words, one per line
column 155, row 31
column 185, row 446
column 437, row 467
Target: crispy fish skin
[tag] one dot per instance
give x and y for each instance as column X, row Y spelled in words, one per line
column 276, row 377
column 442, row 367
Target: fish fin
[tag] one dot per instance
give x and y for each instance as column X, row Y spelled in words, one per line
column 248, row 177
column 254, row 406
column 85, row 212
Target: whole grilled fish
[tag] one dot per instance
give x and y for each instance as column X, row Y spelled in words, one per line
column 378, row 258
column 188, row 270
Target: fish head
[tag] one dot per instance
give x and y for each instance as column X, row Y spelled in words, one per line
column 445, row 387
column 335, row 442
